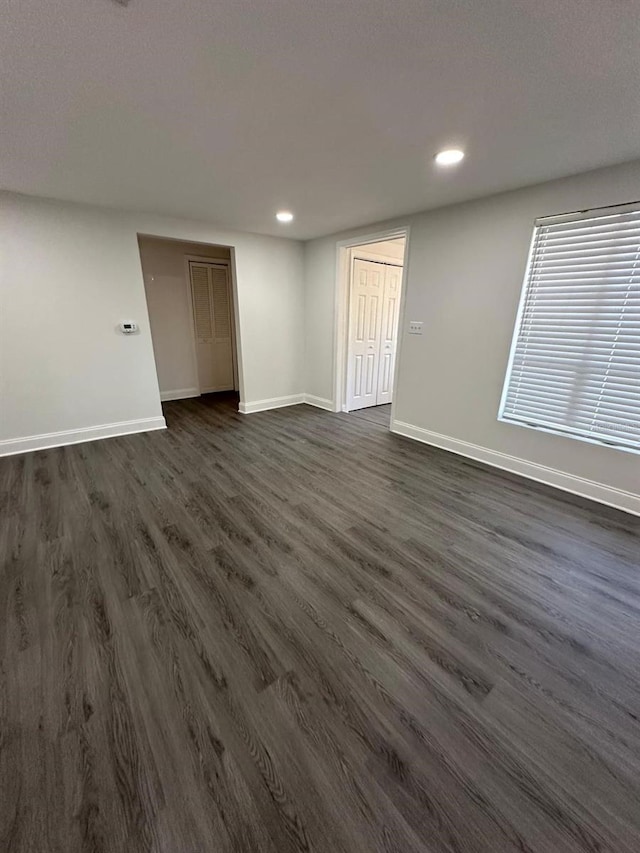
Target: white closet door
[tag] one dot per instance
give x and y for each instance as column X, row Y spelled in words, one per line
column 365, row 319
column 389, row 333
column 211, row 292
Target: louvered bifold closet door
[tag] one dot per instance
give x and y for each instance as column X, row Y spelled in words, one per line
column 212, row 320
column 221, row 303
column 223, row 348
column 202, row 315
column 575, row 360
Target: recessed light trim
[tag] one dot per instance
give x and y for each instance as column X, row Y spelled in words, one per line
column 449, row 156
column 284, row 216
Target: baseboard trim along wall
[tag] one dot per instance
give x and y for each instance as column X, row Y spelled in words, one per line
column 280, row 402
column 272, row 403
column 319, row 402
column 626, row 501
column 11, row 446
column 179, row 394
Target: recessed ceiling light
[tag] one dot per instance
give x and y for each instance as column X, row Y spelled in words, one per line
column 449, row 157
column 284, row 216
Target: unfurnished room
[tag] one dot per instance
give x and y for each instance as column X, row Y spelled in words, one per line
column 320, row 426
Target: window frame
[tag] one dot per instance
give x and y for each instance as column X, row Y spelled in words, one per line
column 541, row 427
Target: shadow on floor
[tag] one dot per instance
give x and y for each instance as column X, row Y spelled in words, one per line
column 374, row 414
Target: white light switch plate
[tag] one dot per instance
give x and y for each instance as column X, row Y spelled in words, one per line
column 415, row 327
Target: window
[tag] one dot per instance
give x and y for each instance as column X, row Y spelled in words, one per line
column 575, row 359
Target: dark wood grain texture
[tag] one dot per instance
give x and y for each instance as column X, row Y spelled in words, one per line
column 376, row 414
column 295, row 631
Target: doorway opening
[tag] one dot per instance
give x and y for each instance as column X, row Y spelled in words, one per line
column 190, row 300
column 371, row 276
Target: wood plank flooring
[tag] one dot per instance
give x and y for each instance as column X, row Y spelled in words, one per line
column 294, row 631
column 376, row 414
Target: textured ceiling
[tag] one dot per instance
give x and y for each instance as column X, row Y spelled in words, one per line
column 228, row 110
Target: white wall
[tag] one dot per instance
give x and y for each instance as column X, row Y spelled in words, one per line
column 393, row 249
column 70, row 273
column 69, row 276
column 163, row 268
column 465, row 269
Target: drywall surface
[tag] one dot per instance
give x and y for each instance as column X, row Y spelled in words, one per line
column 392, row 249
column 71, row 273
column 465, row 270
column 165, row 284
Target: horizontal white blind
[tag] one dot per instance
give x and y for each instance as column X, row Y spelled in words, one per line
column 575, row 359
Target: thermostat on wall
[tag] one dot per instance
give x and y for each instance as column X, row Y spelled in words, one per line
column 128, row 327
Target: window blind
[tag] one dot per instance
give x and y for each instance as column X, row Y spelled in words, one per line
column 575, row 359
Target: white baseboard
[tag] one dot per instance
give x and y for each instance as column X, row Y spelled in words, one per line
column 179, row 394
column 272, row 403
column 11, row 446
column 319, row 402
column 626, row 501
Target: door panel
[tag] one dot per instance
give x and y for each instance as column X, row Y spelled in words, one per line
column 357, row 376
column 386, row 377
column 389, row 338
column 372, row 364
column 367, row 291
column 222, row 344
column 211, row 294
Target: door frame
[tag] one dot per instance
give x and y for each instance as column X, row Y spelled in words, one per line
column 219, row 262
column 345, row 252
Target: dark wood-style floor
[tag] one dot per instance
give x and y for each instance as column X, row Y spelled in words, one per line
column 294, row 631
column 376, row 414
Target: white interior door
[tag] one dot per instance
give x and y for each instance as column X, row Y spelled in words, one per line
column 389, row 333
column 365, row 318
column 373, row 329
column 211, row 294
